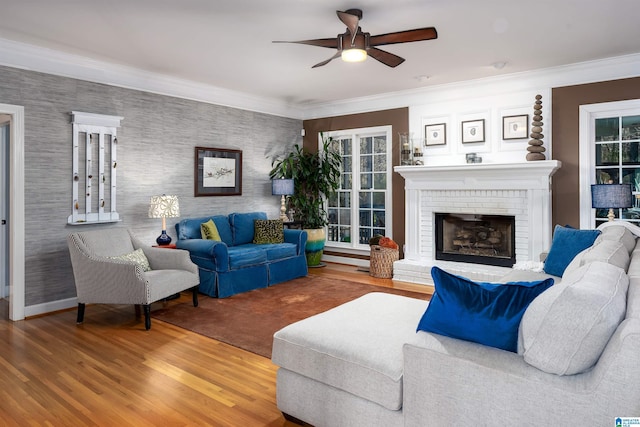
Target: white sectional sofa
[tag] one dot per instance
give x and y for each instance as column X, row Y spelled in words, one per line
column 578, row 359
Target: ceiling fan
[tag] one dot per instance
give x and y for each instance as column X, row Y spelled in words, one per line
column 354, row 45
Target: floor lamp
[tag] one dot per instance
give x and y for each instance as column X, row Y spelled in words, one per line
column 611, row 196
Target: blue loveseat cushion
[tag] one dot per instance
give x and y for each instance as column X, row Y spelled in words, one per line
column 242, row 225
column 246, row 256
column 190, row 228
column 566, row 244
column 280, row 251
column 485, row 313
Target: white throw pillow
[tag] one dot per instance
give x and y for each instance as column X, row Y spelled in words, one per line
column 566, row 328
column 136, row 256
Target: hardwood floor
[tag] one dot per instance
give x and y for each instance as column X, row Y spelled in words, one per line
column 111, row 372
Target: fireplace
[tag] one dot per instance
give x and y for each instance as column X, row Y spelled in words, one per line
column 474, row 238
column 521, row 190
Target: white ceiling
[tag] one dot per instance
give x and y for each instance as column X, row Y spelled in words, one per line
column 228, row 44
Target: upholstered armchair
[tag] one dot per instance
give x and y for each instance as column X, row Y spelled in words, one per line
column 112, row 266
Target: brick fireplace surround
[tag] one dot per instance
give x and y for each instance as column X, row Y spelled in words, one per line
column 520, row 189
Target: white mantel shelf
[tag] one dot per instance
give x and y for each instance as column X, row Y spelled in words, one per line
column 480, row 176
column 521, row 189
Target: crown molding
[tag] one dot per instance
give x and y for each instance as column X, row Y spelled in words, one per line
column 567, row 75
column 35, row 58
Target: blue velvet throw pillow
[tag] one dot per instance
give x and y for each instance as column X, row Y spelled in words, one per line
column 566, row 244
column 485, row 313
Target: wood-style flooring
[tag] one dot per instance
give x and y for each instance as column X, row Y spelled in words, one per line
column 109, row 371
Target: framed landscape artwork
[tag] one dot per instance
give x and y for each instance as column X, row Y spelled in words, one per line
column 218, row 172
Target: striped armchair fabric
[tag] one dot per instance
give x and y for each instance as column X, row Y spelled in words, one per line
column 100, row 279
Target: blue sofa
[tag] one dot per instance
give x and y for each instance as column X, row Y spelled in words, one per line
column 236, row 264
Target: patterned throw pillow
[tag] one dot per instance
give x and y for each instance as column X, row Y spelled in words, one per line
column 135, row 256
column 268, row 231
column 209, row 231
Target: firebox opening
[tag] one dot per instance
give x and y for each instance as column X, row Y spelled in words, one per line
column 478, row 239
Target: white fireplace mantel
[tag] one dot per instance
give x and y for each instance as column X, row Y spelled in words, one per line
column 519, row 189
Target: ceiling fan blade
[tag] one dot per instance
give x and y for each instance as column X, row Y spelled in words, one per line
column 332, row 42
column 386, row 58
column 350, row 18
column 416, row 35
column 320, row 64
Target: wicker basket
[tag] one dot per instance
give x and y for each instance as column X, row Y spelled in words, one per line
column 381, row 261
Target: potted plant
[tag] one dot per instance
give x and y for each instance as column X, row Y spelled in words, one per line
column 316, row 175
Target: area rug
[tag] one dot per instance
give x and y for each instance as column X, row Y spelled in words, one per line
column 250, row 319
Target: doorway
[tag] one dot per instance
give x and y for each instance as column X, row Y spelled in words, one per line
column 5, row 122
column 14, row 228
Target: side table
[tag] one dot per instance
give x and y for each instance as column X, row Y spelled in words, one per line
column 294, row 225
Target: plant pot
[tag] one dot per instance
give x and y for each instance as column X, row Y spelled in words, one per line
column 316, row 238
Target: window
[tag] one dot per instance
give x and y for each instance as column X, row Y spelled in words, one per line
column 610, row 139
column 361, row 208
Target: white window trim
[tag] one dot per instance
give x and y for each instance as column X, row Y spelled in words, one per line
column 588, row 114
column 355, row 247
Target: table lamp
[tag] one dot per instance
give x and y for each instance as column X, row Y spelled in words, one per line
column 164, row 207
column 611, row 196
column 282, row 187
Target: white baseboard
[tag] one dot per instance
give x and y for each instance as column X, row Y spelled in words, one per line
column 48, row 307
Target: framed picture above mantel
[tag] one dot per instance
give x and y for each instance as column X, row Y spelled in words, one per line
column 472, row 131
column 515, row 127
column 217, row 172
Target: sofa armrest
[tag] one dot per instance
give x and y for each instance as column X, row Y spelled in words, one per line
column 297, row 237
column 211, row 254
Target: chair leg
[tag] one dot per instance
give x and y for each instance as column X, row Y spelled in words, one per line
column 147, row 316
column 80, row 317
column 195, row 296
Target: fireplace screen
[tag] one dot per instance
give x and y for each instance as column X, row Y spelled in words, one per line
column 479, row 239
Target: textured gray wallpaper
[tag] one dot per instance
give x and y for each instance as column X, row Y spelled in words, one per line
column 155, row 155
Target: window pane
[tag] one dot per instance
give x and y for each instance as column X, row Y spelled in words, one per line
column 365, row 218
column 380, row 163
column 332, row 215
column 631, row 176
column 631, row 127
column 332, row 199
column 607, row 154
column 366, row 181
column 607, row 176
column 365, row 199
column 378, row 218
column 607, row 129
column 366, row 146
column 365, row 235
column 380, row 181
column 345, row 145
column 380, row 144
column 346, row 181
column 630, row 153
column 347, row 164
column 345, row 234
column 366, row 164
column 345, row 217
column 345, row 199
column 378, row 200
column 332, row 233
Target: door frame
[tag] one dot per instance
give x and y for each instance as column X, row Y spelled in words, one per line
column 16, row 221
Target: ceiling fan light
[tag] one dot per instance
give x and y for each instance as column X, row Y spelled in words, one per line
column 354, row 55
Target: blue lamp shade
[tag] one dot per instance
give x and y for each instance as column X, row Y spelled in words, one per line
column 606, row 196
column 282, row 187
column 611, row 196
